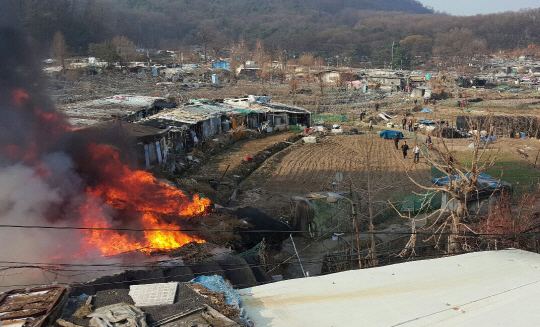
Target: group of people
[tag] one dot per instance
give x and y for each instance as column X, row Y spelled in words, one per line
column 407, row 124
column 416, row 149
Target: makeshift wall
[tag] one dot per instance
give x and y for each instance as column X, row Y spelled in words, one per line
column 503, row 125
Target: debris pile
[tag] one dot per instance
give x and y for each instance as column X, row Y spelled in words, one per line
column 204, row 301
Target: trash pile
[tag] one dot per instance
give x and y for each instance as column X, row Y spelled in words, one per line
column 204, row 301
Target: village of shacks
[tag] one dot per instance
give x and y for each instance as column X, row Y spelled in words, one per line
column 269, row 163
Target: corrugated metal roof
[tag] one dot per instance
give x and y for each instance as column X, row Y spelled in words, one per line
column 192, row 114
column 499, row 288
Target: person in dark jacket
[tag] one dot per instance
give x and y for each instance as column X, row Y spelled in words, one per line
column 405, row 148
column 429, row 143
column 396, row 141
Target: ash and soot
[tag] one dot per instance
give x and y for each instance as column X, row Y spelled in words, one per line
column 54, row 177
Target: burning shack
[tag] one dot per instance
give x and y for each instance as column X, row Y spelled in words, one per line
column 145, row 145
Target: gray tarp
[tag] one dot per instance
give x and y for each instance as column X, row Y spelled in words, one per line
column 118, row 315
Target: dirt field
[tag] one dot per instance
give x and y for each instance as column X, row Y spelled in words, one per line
column 235, row 156
column 305, row 168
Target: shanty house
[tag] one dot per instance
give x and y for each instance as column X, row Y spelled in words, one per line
column 275, row 115
column 421, row 92
column 394, row 82
column 488, row 190
column 145, row 145
column 125, row 107
column 329, row 77
column 416, row 81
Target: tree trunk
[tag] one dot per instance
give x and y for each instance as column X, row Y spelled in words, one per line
column 457, row 218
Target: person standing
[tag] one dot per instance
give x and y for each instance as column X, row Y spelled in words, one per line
column 404, row 149
column 410, row 125
column 396, row 141
column 404, row 123
column 377, row 106
column 416, row 151
column 428, row 141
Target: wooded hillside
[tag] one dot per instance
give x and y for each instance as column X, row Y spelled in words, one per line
column 348, row 28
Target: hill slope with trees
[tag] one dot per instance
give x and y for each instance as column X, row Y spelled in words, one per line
column 349, row 29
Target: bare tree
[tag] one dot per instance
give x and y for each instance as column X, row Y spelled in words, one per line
column 207, row 35
column 458, row 45
column 240, row 54
column 125, row 48
column 320, row 82
column 461, row 183
column 373, row 190
column 281, row 64
column 262, row 58
column 307, row 60
column 59, row 49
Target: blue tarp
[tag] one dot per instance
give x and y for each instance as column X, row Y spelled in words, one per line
column 218, row 284
column 426, row 122
column 491, row 139
column 388, row 134
column 484, row 182
column 426, row 110
column 221, row 65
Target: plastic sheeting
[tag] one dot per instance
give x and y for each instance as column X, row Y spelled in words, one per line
column 118, row 315
column 388, row 134
column 485, row 182
column 218, row 284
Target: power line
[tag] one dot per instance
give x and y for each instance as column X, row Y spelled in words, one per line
column 354, row 259
column 120, row 229
column 113, row 265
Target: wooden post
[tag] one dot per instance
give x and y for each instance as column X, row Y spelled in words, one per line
column 353, row 208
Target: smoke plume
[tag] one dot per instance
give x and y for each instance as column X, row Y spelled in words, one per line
column 53, row 177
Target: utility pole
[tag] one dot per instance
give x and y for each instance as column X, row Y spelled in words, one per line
column 392, row 63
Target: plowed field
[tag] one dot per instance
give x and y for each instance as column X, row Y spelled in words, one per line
column 306, row 168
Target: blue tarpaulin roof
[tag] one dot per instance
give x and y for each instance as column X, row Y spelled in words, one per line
column 485, row 182
column 388, row 134
column 426, row 122
column 426, row 110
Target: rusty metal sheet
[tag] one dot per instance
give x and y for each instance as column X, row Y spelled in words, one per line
column 33, row 305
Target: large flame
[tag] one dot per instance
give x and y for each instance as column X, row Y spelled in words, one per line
column 116, row 195
column 137, row 193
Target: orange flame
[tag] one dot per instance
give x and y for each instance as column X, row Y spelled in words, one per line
column 137, row 192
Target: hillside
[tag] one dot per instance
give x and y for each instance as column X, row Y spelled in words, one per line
column 349, row 29
column 164, row 23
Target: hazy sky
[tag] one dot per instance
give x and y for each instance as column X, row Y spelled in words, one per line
column 473, row 7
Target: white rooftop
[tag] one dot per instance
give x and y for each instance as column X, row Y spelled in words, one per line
column 500, row 288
